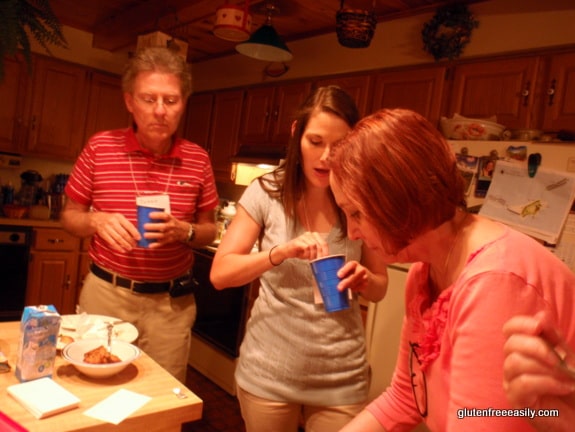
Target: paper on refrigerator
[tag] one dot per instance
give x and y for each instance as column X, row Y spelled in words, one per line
column 537, row 206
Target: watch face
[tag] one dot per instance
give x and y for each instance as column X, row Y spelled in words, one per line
column 191, row 233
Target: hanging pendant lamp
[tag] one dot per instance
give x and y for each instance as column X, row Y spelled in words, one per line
column 265, row 43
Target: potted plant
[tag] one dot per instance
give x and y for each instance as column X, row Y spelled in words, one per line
column 22, row 19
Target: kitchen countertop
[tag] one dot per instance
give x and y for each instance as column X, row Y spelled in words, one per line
column 36, row 223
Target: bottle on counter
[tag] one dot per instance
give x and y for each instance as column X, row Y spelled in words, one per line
column 227, row 213
column 8, row 193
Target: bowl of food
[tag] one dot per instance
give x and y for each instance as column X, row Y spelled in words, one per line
column 15, row 211
column 463, row 128
column 91, row 357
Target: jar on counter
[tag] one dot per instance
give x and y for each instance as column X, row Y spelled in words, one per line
column 226, row 215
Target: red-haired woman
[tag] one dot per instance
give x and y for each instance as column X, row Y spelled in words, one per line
column 396, row 179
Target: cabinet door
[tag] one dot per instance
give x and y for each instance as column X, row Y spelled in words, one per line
column 106, row 108
column 417, row 89
column 504, row 88
column 559, row 94
column 52, row 280
column 198, row 118
column 13, row 96
column 267, row 116
column 256, row 114
column 287, row 101
column 58, row 109
column 224, row 130
column 357, row 87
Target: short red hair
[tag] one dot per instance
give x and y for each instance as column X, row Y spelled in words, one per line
column 401, row 174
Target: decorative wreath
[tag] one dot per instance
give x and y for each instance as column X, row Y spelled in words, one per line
column 445, row 35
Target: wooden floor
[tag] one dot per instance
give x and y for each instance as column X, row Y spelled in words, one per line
column 221, row 410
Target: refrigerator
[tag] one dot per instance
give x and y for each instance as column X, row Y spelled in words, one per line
column 384, row 319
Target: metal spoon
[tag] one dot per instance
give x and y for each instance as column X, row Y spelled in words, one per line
column 110, row 328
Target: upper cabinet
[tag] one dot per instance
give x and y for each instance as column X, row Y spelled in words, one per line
column 12, row 95
column 57, row 118
column 505, row 88
column 357, row 86
column 559, row 93
column 106, row 107
column 267, row 116
column 224, row 128
column 418, row 89
column 198, row 118
column 52, row 112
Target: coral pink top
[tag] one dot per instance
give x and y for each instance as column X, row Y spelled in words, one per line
column 460, row 335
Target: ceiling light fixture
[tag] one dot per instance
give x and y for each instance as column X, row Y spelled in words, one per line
column 265, row 43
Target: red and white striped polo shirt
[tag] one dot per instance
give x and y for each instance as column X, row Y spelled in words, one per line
column 113, row 169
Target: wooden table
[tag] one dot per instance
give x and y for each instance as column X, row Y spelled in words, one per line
column 164, row 412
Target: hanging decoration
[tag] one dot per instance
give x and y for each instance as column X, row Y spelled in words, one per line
column 355, row 27
column 233, row 23
column 447, row 33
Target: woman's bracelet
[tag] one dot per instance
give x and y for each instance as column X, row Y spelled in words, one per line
column 270, row 257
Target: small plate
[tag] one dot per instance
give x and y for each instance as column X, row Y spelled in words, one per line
column 88, row 326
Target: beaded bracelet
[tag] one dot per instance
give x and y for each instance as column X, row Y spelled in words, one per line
column 270, row 257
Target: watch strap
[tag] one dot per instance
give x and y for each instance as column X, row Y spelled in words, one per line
column 191, row 233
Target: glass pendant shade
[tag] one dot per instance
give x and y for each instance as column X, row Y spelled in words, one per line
column 265, row 44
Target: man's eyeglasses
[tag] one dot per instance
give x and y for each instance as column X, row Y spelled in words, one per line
column 418, row 382
column 150, row 101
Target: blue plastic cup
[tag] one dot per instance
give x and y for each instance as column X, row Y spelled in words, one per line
column 144, row 218
column 325, row 273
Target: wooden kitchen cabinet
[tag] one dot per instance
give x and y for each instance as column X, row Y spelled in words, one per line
column 13, row 96
column 58, row 112
column 198, row 118
column 83, row 264
column 53, row 268
column 224, row 129
column 419, row 89
column 559, row 93
column 106, row 108
column 267, row 116
column 357, row 86
column 502, row 87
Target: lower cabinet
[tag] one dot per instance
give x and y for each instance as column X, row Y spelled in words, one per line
column 53, row 269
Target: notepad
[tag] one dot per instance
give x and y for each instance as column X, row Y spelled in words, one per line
column 43, row 397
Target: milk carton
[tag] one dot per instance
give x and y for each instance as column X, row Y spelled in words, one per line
column 39, row 329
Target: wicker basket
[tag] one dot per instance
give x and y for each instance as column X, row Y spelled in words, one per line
column 355, row 27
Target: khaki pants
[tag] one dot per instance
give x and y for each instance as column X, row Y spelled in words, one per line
column 263, row 415
column 164, row 323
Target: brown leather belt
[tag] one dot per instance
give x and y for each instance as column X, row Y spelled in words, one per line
column 139, row 287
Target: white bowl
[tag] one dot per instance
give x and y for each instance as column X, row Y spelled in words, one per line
column 463, row 128
column 74, row 353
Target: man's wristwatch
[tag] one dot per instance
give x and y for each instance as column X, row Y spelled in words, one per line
column 191, row 234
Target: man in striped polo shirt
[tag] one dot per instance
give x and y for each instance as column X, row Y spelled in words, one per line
column 150, row 286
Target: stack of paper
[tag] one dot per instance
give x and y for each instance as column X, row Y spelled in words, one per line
column 43, row 397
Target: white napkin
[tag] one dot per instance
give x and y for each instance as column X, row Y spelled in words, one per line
column 118, row 406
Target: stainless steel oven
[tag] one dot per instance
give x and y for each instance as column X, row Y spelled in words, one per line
column 14, row 255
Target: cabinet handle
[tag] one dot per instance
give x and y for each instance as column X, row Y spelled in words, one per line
column 55, row 241
column 276, row 114
column 68, row 282
column 551, row 92
column 525, row 93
